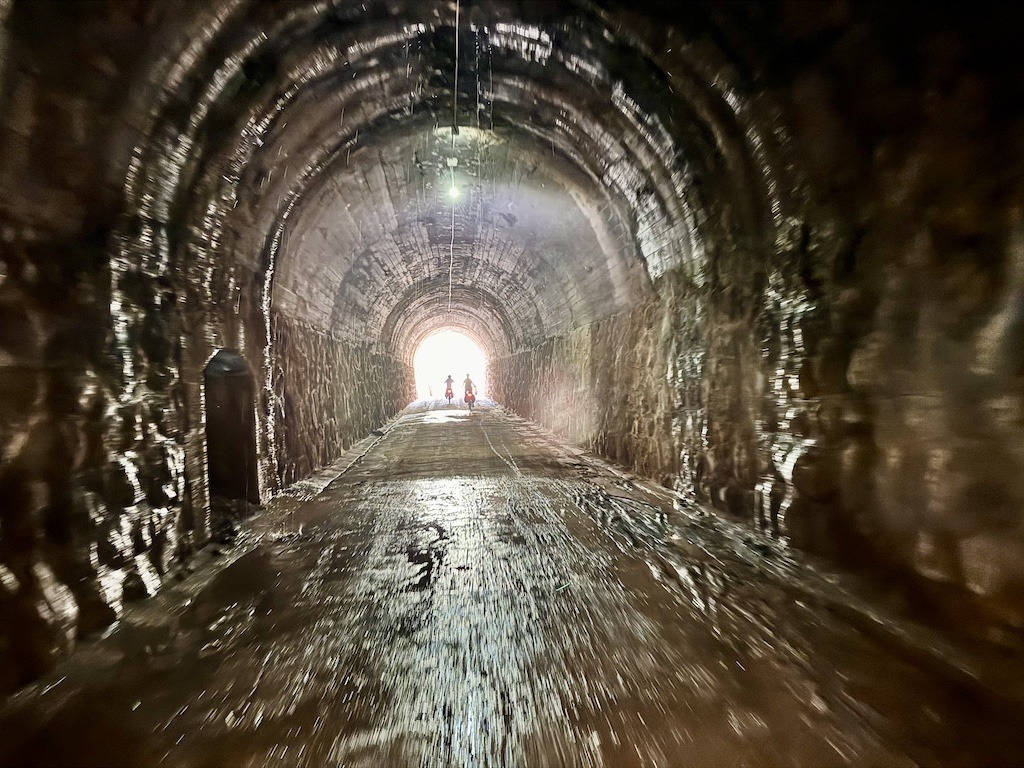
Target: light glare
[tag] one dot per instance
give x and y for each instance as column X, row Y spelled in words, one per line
column 444, row 353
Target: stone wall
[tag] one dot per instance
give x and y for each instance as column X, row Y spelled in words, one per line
column 103, row 340
column 870, row 414
column 91, row 472
column 859, row 373
column 92, row 504
column 904, row 280
column 329, row 395
column 622, row 386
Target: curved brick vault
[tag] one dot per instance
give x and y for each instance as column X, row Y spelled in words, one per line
column 766, row 253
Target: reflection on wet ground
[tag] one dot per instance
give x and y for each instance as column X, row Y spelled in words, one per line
column 467, row 593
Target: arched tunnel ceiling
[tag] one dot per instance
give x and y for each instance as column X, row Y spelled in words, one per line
column 376, row 239
column 318, row 152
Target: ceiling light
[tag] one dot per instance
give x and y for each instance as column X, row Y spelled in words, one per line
column 453, row 193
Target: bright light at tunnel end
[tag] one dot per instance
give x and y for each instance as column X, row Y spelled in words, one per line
column 448, row 353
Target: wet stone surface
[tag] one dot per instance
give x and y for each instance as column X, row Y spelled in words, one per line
column 466, row 595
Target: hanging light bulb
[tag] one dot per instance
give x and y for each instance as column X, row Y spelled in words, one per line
column 453, row 192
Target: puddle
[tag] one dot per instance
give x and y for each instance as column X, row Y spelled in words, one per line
column 440, row 417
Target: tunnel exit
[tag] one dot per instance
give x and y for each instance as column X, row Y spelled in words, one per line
column 448, row 353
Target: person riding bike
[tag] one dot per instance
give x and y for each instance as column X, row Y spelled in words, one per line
column 449, row 383
column 469, row 388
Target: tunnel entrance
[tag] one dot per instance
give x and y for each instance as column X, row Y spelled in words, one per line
column 447, row 353
column 230, row 396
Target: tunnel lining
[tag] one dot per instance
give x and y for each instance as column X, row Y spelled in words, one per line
column 192, row 162
column 792, row 196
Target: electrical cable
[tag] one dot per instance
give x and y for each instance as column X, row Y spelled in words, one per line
column 451, row 255
column 455, row 129
column 455, row 99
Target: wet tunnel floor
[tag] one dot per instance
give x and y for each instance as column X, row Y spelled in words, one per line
column 463, row 595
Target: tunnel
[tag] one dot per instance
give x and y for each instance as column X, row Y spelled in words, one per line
column 767, row 257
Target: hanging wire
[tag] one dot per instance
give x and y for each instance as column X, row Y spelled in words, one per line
column 455, row 99
column 451, row 252
column 455, row 128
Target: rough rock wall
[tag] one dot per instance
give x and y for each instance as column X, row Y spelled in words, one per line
column 862, row 376
column 869, row 413
column 905, row 283
column 622, row 386
column 91, row 485
column 91, row 470
column 106, row 325
column 329, row 394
